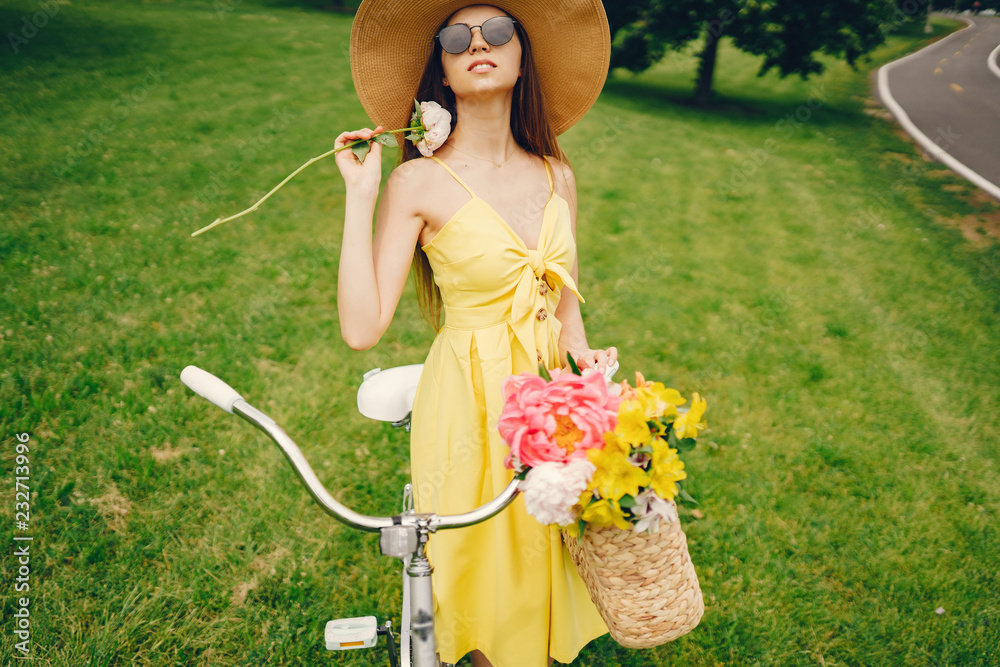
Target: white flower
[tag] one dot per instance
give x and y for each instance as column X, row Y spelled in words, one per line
column 551, row 489
column 437, row 127
column 650, row 508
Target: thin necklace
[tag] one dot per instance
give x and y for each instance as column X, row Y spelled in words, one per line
column 495, row 164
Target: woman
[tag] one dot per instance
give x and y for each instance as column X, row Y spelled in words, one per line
column 491, row 222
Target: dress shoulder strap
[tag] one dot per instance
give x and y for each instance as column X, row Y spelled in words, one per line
column 461, row 182
column 548, row 172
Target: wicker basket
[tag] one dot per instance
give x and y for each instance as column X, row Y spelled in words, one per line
column 644, row 585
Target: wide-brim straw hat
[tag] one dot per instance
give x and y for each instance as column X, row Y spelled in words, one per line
column 392, row 40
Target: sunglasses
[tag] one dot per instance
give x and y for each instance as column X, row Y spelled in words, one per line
column 456, row 38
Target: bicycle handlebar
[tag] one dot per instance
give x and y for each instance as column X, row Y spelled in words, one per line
column 225, row 397
column 210, row 388
column 479, row 514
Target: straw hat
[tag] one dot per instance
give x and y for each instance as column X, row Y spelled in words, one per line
column 391, row 41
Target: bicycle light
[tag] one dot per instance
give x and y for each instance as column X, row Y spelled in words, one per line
column 397, row 541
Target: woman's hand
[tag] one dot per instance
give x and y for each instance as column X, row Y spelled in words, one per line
column 596, row 359
column 356, row 174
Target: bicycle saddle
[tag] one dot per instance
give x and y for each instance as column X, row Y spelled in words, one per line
column 387, row 395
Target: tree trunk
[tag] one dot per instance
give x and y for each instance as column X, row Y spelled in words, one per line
column 706, row 68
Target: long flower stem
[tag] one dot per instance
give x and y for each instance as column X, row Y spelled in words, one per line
column 219, row 221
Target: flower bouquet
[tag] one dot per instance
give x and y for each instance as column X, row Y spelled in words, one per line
column 603, row 462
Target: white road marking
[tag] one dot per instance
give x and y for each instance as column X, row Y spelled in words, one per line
column 935, row 151
column 991, row 61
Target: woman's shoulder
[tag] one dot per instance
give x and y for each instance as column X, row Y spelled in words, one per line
column 411, row 169
column 415, row 186
column 414, row 176
column 555, row 162
column 562, row 174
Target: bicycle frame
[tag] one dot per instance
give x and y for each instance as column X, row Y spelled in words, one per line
column 402, row 536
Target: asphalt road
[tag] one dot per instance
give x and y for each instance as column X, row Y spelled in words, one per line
column 952, row 97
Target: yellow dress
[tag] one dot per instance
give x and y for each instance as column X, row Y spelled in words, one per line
column 507, row 586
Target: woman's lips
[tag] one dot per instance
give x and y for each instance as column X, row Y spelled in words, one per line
column 492, row 65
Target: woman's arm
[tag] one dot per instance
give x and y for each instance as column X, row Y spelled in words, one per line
column 373, row 272
column 573, row 338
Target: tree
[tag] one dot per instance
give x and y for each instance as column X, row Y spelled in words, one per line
column 789, row 34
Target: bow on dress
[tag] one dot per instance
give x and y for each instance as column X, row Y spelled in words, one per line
column 534, row 326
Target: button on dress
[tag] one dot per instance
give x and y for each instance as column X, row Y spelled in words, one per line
column 507, row 587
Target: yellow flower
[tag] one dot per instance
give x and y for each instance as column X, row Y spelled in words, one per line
column 614, row 442
column 632, row 426
column 687, row 425
column 658, row 400
column 654, row 399
column 615, row 476
column 647, row 403
column 666, row 470
column 578, row 509
column 604, row 513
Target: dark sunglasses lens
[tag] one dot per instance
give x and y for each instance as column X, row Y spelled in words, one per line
column 455, row 38
column 498, row 30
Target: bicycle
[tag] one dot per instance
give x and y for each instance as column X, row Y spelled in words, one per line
column 384, row 396
column 401, row 536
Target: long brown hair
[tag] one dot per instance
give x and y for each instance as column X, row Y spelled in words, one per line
column 528, row 122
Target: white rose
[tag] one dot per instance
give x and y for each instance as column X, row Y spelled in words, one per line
column 437, row 124
column 551, row 489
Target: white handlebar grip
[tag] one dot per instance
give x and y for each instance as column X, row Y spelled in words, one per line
column 210, row 387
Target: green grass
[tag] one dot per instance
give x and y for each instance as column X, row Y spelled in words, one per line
column 801, row 276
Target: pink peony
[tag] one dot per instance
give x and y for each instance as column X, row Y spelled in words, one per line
column 555, row 421
column 437, row 127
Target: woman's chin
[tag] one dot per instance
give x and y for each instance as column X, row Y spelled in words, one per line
column 484, row 91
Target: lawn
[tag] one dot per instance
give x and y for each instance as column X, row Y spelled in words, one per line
column 785, row 252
